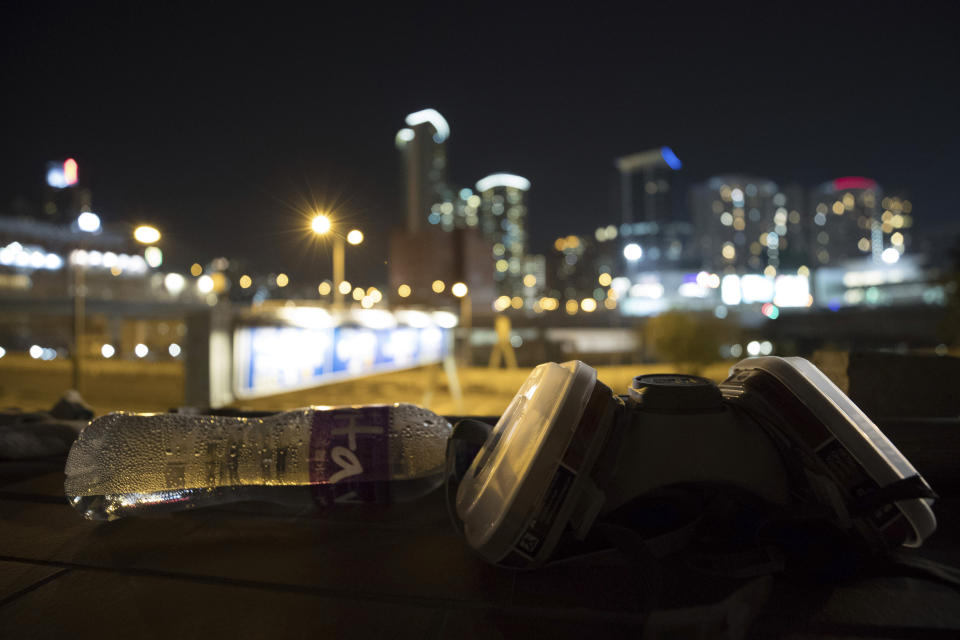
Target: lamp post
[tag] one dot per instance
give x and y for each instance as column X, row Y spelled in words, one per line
column 322, row 225
column 149, row 235
column 88, row 222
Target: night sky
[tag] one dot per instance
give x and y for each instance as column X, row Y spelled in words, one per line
column 222, row 125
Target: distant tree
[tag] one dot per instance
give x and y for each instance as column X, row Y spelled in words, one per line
column 688, row 339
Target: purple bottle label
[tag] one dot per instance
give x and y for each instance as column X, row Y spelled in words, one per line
column 349, row 455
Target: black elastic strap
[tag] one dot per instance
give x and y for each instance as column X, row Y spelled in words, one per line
column 466, row 440
column 906, row 489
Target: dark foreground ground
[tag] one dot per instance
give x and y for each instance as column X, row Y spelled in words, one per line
column 400, row 571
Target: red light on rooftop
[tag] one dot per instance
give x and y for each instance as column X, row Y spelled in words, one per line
column 853, row 182
column 70, row 171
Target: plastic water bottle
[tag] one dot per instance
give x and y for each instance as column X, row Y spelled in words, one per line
column 129, row 464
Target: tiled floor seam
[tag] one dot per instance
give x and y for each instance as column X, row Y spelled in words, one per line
column 32, row 587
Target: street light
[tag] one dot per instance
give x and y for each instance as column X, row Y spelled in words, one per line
column 145, row 234
column 321, row 225
column 88, row 222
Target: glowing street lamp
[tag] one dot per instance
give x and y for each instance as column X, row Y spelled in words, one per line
column 145, row 234
column 321, row 225
column 89, row 222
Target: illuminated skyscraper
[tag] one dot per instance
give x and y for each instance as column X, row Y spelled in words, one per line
column 749, row 225
column 853, row 219
column 423, row 147
column 503, row 215
column 654, row 224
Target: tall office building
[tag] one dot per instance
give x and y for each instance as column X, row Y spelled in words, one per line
column 648, row 186
column 654, row 232
column 422, row 144
column 502, row 219
column 747, row 224
column 853, row 219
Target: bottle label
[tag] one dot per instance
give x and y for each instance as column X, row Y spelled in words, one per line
column 349, row 455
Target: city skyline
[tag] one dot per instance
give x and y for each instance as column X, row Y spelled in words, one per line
column 231, row 156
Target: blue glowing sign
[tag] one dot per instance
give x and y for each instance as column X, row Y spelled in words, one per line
column 671, row 158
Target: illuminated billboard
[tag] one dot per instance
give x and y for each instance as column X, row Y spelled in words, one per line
column 277, row 359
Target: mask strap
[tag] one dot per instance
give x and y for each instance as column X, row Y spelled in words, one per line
column 466, row 440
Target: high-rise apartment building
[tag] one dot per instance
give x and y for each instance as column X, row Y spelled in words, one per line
column 502, row 219
column 747, row 224
column 854, row 220
column 422, row 144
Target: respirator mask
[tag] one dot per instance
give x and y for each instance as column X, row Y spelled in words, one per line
column 569, row 454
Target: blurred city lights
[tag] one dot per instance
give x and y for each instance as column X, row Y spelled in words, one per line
column 671, row 158
column 141, row 350
column 766, row 348
column 245, row 281
column 438, row 286
column 403, row 291
column 70, row 171
column 153, row 256
column 174, row 283
column 516, row 302
column 730, row 289
column 632, row 252
column 404, row 136
column 890, row 255
column 3, row 352
column 736, row 350
column 320, row 224
column 204, row 284
column 529, row 280
column 355, row 236
column 502, row 303
column 63, row 176
column 36, row 351
column 571, row 307
column 345, row 287
column 444, row 319
column 753, row 348
column 174, row 350
column 605, row 279
column 196, row 270
column 358, row 294
column 459, row 289
column 89, row 222
column 282, row 280
column 503, row 180
column 588, row 304
column 145, row 234
column 770, row 310
column 107, row 351
column 432, row 116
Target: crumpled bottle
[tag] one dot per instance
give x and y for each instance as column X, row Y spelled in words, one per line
column 131, row 464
